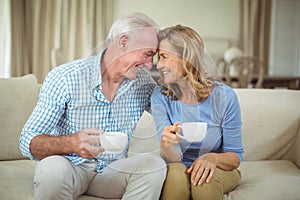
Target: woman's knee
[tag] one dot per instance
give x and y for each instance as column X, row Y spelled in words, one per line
column 177, row 185
column 212, row 190
column 221, row 183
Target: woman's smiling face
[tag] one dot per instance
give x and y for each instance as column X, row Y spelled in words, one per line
column 170, row 64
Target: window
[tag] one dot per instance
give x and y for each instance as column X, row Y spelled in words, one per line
column 285, row 38
column 5, row 38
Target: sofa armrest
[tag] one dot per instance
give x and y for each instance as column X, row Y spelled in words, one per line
column 18, row 98
column 295, row 150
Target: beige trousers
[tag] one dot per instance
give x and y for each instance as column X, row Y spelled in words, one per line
column 178, row 185
column 137, row 177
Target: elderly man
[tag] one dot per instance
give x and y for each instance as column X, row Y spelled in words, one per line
column 78, row 100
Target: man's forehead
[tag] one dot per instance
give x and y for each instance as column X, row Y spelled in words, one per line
column 147, row 43
column 146, row 50
column 148, row 34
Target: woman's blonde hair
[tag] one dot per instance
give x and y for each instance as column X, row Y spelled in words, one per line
column 188, row 44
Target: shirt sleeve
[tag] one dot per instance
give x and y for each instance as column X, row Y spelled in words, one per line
column 160, row 113
column 49, row 109
column 232, row 126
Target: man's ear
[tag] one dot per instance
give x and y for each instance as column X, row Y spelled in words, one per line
column 123, row 41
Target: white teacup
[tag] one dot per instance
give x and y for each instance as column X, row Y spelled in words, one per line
column 194, row 131
column 113, row 142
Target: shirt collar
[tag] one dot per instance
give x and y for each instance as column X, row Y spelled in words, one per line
column 96, row 71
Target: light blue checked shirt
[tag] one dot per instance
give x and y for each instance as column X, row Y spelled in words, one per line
column 71, row 100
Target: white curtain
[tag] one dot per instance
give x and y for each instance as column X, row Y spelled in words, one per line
column 255, row 29
column 47, row 33
column 5, row 40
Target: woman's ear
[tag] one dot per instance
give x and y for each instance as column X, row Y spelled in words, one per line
column 123, row 41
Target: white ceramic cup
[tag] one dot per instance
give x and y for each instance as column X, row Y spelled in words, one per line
column 113, row 142
column 194, row 131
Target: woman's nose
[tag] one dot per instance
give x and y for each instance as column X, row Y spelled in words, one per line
column 158, row 65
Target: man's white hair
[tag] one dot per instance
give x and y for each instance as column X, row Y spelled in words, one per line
column 130, row 23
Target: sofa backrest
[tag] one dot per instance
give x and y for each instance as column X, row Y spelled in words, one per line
column 270, row 130
column 18, row 98
column 271, row 120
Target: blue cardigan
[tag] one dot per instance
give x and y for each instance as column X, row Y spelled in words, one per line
column 221, row 111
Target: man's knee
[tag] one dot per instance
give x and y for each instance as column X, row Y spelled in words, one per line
column 52, row 174
column 154, row 167
column 149, row 163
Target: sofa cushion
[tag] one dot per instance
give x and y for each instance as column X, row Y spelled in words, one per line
column 270, row 122
column 267, row 180
column 16, row 179
column 18, row 98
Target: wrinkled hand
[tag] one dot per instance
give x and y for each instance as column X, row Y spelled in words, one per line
column 86, row 143
column 169, row 137
column 203, row 169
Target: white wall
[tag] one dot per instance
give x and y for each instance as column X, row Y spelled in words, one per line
column 217, row 21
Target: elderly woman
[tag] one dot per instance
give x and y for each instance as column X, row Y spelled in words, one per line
column 191, row 91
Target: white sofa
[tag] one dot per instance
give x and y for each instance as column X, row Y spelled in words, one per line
column 271, row 137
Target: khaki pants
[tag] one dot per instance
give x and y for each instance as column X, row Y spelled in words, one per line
column 178, row 185
column 137, row 177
